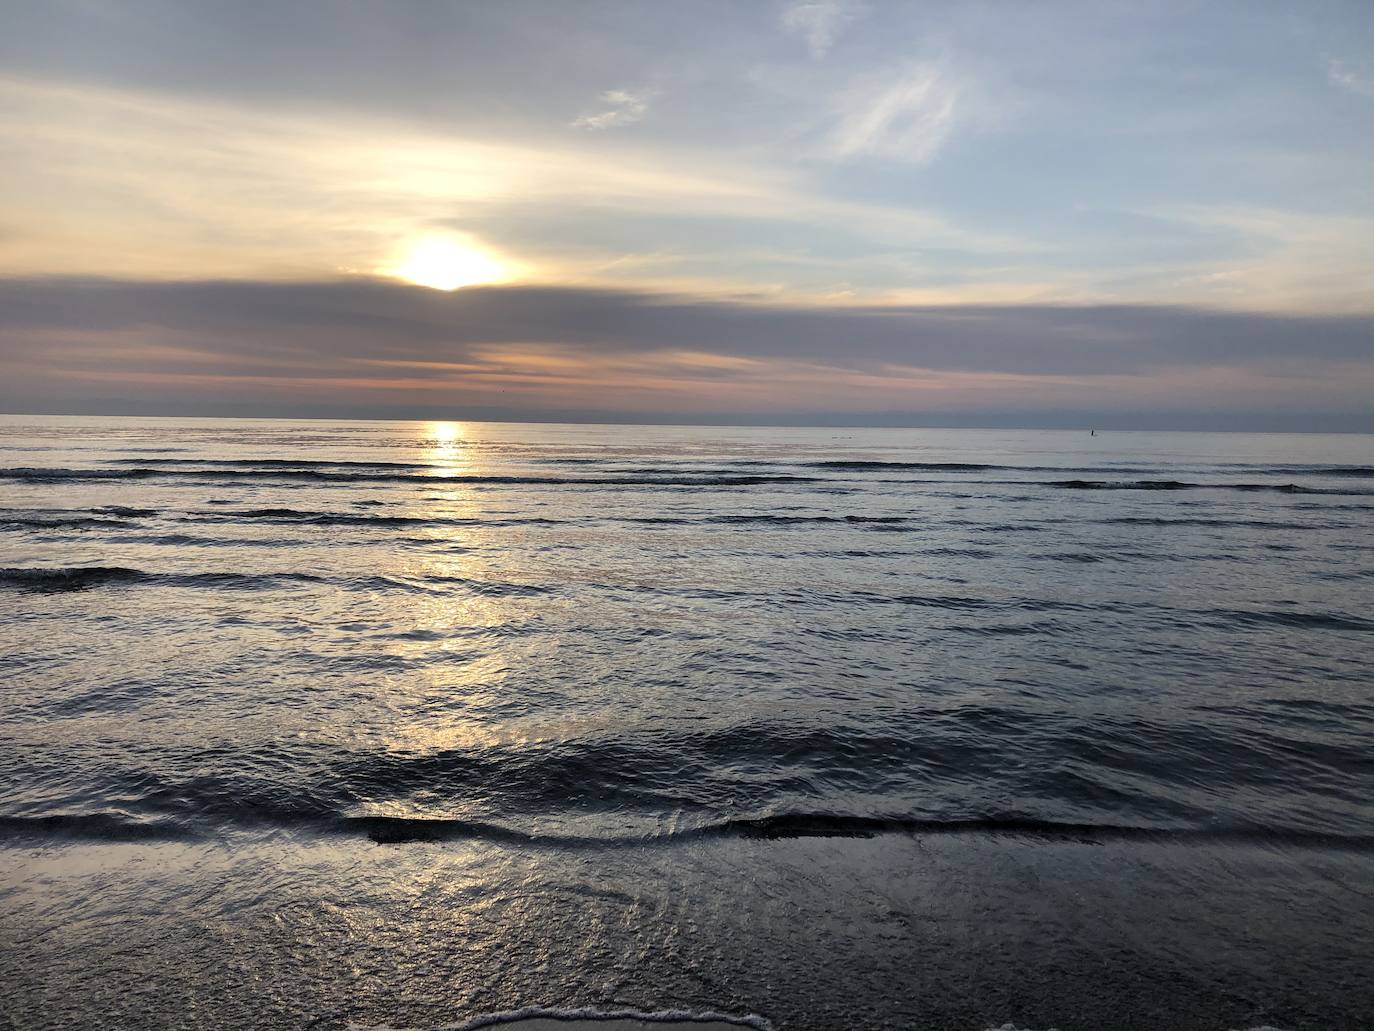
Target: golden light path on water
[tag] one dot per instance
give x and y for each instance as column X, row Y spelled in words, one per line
column 449, row 623
column 444, row 444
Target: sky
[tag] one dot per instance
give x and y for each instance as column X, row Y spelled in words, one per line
column 828, row 211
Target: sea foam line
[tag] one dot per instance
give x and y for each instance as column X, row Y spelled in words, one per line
column 752, row 1020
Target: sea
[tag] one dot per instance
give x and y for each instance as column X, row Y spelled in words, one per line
column 326, row 725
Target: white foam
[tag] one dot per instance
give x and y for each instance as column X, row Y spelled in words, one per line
column 1013, row 1027
column 751, row 1020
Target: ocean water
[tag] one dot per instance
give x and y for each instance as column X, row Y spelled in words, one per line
column 327, row 724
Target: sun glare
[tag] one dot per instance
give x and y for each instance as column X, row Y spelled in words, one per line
column 444, row 434
column 445, row 263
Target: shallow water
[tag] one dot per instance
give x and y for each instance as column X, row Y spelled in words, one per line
column 397, row 724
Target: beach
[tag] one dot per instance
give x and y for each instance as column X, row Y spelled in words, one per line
column 411, row 725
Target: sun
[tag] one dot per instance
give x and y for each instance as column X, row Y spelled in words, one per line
column 445, row 262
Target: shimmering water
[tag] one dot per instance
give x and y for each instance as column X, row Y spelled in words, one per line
column 311, row 724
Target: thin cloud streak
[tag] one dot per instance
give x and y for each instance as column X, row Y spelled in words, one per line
column 624, row 107
column 906, row 116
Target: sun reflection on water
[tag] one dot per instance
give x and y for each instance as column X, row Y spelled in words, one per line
column 444, row 444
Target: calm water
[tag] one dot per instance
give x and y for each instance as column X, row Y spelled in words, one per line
column 327, row 724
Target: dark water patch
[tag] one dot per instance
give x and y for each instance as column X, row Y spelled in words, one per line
column 317, row 518
column 1297, row 620
column 864, row 553
column 798, row 825
column 126, row 511
column 275, row 463
column 958, row 552
column 1171, row 485
column 68, row 578
column 76, row 578
column 73, row 578
column 293, row 515
column 46, row 475
column 1127, row 555
column 61, row 523
column 94, row 827
column 1016, row 528
column 1220, row 523
column 1122, row 484
column 313, row 518
column 803, row 520
column 862, row 466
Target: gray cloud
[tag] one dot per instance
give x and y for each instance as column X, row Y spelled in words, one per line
column 1037, row 339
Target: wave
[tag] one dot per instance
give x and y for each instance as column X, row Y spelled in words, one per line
column 826, row 825
column 862, row 466
column 642, row 478
column 318, row 518
column 1280, row 488
column 276, row 463
column 492, row 588
column 1334, row 471
column 314, row 518
column 787, row 520
column 838, row 464
column 78, row 578
column 75, row 578
column 1250, row 524
column 26, row 472
column 295, row 515
column 1339, row 471
column 1299, row 620
column 69, row 578
column 405, row 830
column 126, row 511
column 40, row 475
column 61, row 523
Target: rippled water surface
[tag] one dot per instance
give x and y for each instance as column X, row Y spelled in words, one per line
column 399, row 723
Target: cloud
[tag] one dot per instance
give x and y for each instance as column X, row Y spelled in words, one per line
column 625, row 107
column 820, row 22
column 906, row 116
column 1289, row 256
column 1342, row 74
column 364, row 346
column 214, row 191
